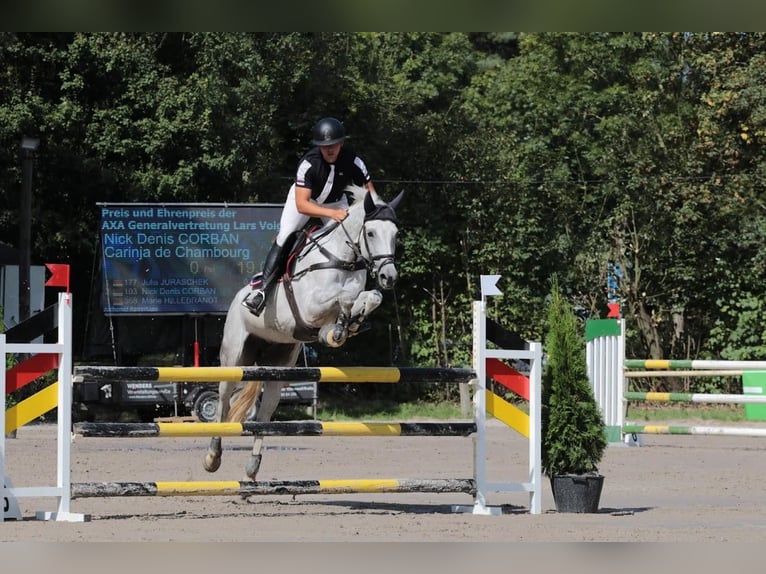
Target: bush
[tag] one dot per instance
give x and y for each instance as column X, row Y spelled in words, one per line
column 573, row 430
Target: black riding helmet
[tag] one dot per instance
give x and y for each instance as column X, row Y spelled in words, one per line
column 328, row 131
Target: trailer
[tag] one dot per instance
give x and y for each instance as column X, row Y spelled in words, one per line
column 147, row 400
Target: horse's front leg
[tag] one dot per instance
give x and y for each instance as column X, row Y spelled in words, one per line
column 365, row 304
column 351, row 317
column 215, row 450
column 335, row 334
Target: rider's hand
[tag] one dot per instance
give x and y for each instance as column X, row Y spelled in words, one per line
column 339, row 214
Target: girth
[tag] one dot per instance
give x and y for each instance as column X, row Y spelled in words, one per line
column 303, row 331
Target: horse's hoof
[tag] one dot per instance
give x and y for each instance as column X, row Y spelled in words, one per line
column 212, row 463
column 252, row 466
column 340, row 334
column 328, row 336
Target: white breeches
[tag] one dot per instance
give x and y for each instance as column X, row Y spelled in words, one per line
column 293, row 220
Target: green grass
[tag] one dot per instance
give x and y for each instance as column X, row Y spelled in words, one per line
column 638, row 411
column 687, row 411
column 371, row 411
column 390, row 412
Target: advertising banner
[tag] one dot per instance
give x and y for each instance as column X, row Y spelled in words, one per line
column 181, row 259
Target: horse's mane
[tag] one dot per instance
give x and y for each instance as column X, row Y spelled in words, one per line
column 356, row 193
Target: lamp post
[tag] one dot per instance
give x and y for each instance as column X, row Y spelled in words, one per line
column 29, row 146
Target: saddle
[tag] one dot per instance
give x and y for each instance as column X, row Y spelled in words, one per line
column 296, row 241
column 285, row 269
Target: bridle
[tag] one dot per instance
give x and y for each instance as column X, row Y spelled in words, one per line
column 384, row 258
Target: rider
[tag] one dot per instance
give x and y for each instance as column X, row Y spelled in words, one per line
column 322, row 176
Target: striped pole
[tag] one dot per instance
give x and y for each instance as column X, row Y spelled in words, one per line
column 673, row 364
column 297, row 428
column 608, row 368
column 274, row 487
column 681, row 373
column 689, row 430
column 281, row 374
column 695, row 398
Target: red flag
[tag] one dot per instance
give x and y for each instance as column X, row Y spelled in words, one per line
column 59, row 275
column 614, row 310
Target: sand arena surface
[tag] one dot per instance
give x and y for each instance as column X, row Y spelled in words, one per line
column 672, row 489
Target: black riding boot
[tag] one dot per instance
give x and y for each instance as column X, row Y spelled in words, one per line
column 256, row 299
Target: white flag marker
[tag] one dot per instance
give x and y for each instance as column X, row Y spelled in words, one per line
column 488, row 285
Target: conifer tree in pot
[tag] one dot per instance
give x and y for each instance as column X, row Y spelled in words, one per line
column 573, row 430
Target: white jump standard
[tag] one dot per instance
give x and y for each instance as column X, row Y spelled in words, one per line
column 485, row 401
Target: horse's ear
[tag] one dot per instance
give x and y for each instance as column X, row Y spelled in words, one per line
column 394, row 203
column 369, row 204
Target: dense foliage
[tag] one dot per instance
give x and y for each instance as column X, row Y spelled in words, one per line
column 526, row 155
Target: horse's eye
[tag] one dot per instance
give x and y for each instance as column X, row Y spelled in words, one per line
column 370, row 234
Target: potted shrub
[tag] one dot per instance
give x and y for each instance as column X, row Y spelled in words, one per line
column 573, row 430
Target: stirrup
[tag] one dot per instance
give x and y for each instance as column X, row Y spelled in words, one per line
column 255, row 301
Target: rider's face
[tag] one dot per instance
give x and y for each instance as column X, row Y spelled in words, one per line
column 330, row 152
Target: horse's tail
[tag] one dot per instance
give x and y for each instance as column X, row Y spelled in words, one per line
column 244, row 401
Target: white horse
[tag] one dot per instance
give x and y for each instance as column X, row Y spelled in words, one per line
column 321, row 297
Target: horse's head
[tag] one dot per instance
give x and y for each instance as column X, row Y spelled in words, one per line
column 378, row 239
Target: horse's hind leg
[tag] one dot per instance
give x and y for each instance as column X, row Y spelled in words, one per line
column 269, row 401
column 215, row 450
column 236, row 349
column 275, row 355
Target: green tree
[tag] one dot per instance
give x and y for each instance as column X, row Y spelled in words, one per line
column 528, row 155
column 621, row 157
column 573, row 431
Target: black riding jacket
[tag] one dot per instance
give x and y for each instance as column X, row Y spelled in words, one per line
column 314, row 173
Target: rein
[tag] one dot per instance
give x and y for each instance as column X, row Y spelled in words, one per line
column 334, row 262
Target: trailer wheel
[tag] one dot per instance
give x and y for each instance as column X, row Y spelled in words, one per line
column 205, row 406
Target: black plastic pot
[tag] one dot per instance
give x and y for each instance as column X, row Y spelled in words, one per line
column 577, row 492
